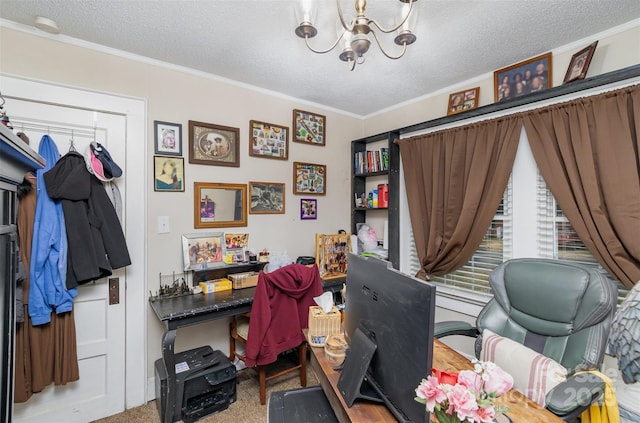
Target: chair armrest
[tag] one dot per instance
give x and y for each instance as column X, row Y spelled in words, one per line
column 453, row 327
column 570, row 398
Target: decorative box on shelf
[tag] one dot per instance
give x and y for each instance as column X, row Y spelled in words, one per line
column 331, row 254
column 244, row 279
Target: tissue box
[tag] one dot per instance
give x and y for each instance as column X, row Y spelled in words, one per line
column 215, row 285
column 322, row 324
column 244, row 279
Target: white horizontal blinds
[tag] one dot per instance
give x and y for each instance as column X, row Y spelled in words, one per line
column 497, row 241
column 558, row 240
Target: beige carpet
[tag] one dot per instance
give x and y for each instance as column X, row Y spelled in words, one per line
column 246, row 409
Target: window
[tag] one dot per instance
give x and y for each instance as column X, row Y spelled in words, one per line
column 558, row 240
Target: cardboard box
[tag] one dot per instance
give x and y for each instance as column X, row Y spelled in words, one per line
column 322, row 324
column 244, row 280
column 216, row 285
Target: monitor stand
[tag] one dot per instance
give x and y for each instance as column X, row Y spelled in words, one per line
column 352, row 383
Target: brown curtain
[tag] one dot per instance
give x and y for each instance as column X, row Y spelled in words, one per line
column 455, row 180
column 587, row 150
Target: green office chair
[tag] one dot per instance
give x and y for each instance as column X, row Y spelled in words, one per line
column 558, row 309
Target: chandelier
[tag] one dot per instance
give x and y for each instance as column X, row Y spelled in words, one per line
column 355, row 34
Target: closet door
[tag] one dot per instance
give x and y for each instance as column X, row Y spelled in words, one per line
column 100, row 326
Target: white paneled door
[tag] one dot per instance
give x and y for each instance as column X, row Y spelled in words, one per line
column 101, row 327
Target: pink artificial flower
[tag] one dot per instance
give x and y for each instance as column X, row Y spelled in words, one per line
column 463, row 401
column 431, row 391
column 470, row 380
column 496, row 379
column 485, row 414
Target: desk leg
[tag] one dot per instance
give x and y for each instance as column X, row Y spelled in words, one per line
column 168, row 342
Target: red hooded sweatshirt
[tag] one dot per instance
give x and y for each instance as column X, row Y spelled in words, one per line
column 280, row 311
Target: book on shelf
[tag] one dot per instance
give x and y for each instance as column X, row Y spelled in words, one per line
column 371, row 161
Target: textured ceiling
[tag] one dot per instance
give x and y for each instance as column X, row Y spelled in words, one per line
column 253, row 42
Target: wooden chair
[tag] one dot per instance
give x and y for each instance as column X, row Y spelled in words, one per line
column 272, row 309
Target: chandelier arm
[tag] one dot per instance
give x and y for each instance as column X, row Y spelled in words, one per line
column 404, row 48
column 342, row 21
column 306, row 41
column 395, row 28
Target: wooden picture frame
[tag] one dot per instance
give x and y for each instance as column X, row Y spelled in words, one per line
column 268, row 140
column 463, row 100
column 529, row 76
column 579, row 63
column 168, row 174
column 267, row 198
column 219, row 205
column 309, row 178
column 203, row 250
column 309, row 128
column 308, row 209
column 215, row 145
column 167, row 138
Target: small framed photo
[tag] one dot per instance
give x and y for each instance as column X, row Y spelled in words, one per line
column 169, row 173
column 463, row 100
column 308, row 209
column 236, row 240
column 309, row 128
column 266, row 198
column 213, row 144
column 168, row 138
column 523, row 78
column 309, row 178
column 268, row 140
column 203, row 250
column 579, row 63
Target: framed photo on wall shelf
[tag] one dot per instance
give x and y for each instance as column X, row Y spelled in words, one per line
column 266, row 198
column 579, row 63
column 168, row 173
column 309, row 178
column 523, row 78
column 308, row 209
column 309, row 128
column 203, row 250
column 168, row 138
column 219, row 205
column 268, row 140
column 463, row 100
column 213, row 144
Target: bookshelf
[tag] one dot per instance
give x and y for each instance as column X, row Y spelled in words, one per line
column 375, row 162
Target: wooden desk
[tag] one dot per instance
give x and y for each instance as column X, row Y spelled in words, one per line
column 178, row 312
column 521, row 409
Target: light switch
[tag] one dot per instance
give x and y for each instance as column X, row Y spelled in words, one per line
column 163, row 225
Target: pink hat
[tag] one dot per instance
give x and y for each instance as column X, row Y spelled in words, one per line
column 94, row 165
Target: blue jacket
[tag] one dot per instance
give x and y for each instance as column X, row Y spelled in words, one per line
column 48, row 267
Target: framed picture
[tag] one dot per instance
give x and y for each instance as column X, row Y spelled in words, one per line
column 526, row 77
column 579, row 63
column 309, row 128
column 308, row 209
column 463, row 100
column 236, row 240
column 309, row 178
column 168, row 173
column 213, row 144
column 219, row 205
column 266, row 198
column 203, row 250
column 168, row 138
column 268, row 140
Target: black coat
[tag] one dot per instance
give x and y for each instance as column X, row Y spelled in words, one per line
column 96, row 241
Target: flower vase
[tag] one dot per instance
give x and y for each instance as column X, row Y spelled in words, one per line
column 439, row 416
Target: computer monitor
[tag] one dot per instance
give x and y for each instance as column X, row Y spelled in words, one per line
column 388, row 323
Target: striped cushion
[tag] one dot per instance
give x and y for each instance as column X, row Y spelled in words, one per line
column 533, row 374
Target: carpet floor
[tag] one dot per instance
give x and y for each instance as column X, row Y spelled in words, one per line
column 246, row 409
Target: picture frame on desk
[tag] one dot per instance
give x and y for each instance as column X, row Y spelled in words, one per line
column 203, row 251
